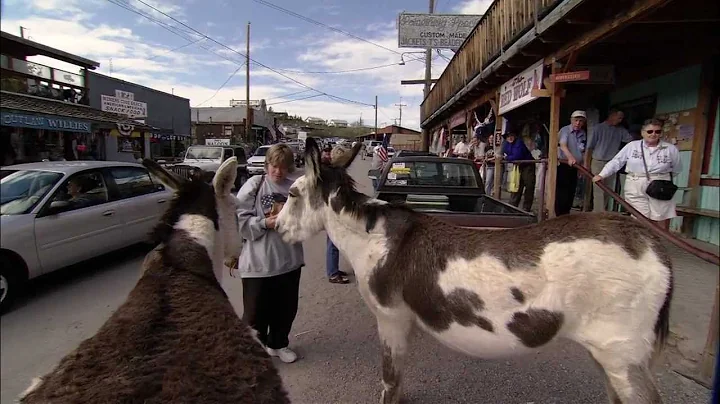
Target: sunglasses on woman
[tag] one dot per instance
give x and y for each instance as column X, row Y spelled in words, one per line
column 656, row 131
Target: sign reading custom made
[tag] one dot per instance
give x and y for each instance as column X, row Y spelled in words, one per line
column 438, row 31
column 518, row 91
column 44, row 122
column 123, row 103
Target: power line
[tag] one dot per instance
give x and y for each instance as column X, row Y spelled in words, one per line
column 335, row 97
column 287, row 95
column 164, row 53
column 170, row 28
column 296, row 99
column 339, row 71
column 318, row 23
column 223, row 85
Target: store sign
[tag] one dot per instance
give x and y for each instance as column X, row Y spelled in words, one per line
column 44, row 122
column 437, row 31
column 518, row 91
column 123, row 103
column 567, row 77
column 217, row 142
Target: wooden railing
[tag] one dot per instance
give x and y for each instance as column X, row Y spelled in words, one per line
column 501, row 24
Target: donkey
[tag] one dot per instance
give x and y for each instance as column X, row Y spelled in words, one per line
column 599, row 279
column 177, row 338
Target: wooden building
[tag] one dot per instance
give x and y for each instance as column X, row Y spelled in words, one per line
column 651, row 58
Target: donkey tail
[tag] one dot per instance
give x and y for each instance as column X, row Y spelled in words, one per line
column 662, row 324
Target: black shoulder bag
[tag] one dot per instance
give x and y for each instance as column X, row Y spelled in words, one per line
column 663, row 190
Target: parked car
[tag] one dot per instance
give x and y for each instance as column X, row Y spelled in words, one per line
column 449, row 189
column 256, row 163
column 209, row 158
column 406, row 153
column 370, row 146
column 55, row 214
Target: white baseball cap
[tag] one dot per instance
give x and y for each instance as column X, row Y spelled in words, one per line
column 579, row 114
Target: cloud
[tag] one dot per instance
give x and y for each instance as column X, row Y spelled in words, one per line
column 193, row 73
column 473, row 6
column 282, row 28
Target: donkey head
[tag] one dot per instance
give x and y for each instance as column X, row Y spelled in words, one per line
column 316, row 191
column 206, row 211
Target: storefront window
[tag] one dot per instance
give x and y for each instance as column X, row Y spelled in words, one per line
column 21, row 145
column 134, row 145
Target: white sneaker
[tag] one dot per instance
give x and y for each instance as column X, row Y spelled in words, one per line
column 285, row 354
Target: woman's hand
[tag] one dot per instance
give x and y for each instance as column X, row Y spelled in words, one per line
column 270, row 221
column 597, row 178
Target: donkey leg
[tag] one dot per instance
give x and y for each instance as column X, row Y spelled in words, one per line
column 612, row 395
column 394, row 334
column 627, row 383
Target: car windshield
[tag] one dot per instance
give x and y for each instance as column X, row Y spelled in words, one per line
column 261, row 151
column 21, row 190
column 431, row 174
column 202, row 152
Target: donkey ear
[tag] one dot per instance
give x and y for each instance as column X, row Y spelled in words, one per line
column 167, row 178
column 224, row 179
column 342, row 157
column 312, row 159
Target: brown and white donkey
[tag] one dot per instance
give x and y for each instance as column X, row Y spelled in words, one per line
column 601, row 280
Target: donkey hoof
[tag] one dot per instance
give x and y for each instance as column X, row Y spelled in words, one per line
column 390, row 397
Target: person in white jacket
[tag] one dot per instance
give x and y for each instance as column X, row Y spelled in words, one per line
column 662, row 160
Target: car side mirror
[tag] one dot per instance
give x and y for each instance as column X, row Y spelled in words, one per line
column 58, row 206
column 374, row 173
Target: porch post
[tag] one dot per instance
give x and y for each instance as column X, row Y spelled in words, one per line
column 555, row 94
column 498, row 148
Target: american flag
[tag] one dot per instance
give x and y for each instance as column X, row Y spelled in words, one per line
column 382, row 151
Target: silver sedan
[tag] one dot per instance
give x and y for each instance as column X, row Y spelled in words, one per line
column 54, row 214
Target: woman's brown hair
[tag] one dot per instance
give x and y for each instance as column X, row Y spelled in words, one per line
column 281, row 155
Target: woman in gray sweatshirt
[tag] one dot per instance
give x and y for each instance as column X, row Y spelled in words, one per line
column 268, row 266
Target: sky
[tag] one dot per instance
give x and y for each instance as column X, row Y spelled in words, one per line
column 313, row 59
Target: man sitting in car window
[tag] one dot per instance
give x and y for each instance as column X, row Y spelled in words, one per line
column 76, row 189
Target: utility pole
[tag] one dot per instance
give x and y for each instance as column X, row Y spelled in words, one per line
column 428, row 82
column 248, row 111
column 401, row 105
column 376, row 106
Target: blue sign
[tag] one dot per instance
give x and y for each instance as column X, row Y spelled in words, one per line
column 44, row 122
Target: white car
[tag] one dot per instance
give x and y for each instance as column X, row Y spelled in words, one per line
column 256, row 163
column 55, row 214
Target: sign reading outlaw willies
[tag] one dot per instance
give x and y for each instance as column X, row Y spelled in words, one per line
column 518, row 91
column 44, row 122
column 438, row 31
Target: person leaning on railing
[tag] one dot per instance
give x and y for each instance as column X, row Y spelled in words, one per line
column 647, row 160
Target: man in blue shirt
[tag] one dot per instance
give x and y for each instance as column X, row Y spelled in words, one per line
column 514, row 149
column 573, row 139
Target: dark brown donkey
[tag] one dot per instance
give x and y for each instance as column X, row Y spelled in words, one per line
column 177, row 338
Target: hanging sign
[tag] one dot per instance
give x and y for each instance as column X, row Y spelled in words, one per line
column 518, row 91
column 581, row 75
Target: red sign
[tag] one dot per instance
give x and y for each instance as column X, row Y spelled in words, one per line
column 570, row 76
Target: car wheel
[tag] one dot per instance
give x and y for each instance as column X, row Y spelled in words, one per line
column 10, row 283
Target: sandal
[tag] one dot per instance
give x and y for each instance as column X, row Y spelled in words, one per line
column 337, row 278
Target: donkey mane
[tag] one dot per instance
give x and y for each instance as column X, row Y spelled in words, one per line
column 193, row 197
column 347, row 198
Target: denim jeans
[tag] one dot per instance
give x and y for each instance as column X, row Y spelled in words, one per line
column 332, row 259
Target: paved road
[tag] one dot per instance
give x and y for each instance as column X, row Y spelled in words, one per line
column 334, row 334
